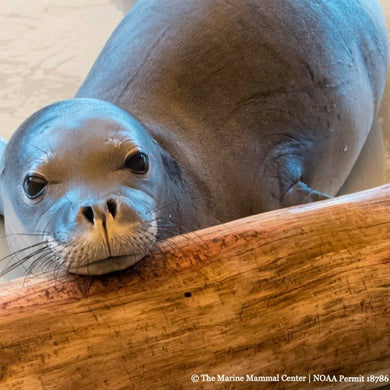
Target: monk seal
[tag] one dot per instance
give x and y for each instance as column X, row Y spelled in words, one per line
column 196, row 113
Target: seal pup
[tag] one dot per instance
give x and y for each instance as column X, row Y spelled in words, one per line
column 241, row 107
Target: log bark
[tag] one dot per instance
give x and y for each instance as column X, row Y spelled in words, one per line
column 301, row 291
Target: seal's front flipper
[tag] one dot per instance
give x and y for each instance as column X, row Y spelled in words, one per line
column 3, row 144
column 301, row 193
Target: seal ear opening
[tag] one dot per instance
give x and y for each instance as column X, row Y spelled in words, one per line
column 3, row 144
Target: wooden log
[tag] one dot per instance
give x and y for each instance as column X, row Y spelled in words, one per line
column 302, row 291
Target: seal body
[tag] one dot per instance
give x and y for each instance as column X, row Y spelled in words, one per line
column 250, row 97
column 242, row 107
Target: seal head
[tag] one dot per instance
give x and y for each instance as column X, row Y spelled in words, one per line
column 81, row 191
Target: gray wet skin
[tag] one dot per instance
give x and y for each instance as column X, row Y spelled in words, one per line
column 241, row 106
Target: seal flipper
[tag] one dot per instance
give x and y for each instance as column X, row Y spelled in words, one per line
column 287, row 162
column 3, row 144
column 301, row 193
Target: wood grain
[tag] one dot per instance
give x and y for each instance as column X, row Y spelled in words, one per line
column 298, row 291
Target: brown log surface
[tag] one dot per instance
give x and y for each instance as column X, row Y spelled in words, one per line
column 297, row 291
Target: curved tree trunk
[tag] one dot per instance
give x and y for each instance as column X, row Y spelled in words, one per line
column 302, row 291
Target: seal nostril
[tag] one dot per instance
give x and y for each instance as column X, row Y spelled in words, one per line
column 89, row 214
column 111, row 205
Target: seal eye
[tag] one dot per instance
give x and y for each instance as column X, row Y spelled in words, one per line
column 138, row 163
column 34, row 186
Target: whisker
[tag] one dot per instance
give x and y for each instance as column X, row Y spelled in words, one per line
column 22, row 234
column 155, row 248
column 160, row 207
column 20, row 262
column 169, row 229
column 40, row 261
column 58, row 267
column 23, row 250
